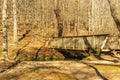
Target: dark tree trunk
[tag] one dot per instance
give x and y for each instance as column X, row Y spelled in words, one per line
column 57, row 20
column 115, row 13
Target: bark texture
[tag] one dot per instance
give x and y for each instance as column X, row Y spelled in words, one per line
column 15, row 21
column 4, row 27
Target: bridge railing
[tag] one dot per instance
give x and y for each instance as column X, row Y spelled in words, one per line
column 83, row 42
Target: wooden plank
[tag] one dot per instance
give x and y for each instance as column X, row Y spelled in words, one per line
column 62, row 49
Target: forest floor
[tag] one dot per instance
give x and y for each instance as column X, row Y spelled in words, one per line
column 91, row 68
column 88, row 69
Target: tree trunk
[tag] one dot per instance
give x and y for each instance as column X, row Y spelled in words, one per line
column 4, row 35
column 76, row 17
column 115, row 12
column 15, row 21
column 58, row 20
column 55, row 18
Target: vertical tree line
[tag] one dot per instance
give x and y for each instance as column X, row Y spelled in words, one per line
column 58, row 22
column 57, row 19
column 115, row 13
column 4, row 29
column 76, row 17
column 15, row 21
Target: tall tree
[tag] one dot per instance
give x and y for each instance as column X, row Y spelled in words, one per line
column 15, row 21
column 55, row 18
column 76, row 17
column 4, row 27
column 58, row 20
column 115, row 13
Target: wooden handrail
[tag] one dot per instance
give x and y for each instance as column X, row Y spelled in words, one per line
column 90, row 35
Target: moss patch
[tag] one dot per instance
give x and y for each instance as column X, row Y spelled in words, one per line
column 36, row 54
column 29, row 75
column 61, row 76
column 47, row 75
column 107, row 68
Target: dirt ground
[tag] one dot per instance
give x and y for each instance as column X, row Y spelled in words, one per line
column 87, row 69
column 91, row 68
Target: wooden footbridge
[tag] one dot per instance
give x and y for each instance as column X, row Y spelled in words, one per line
column 83, row 42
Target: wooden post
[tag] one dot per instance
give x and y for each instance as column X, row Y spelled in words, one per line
column 4, row 29
column 15, row 21
column 104, row 42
